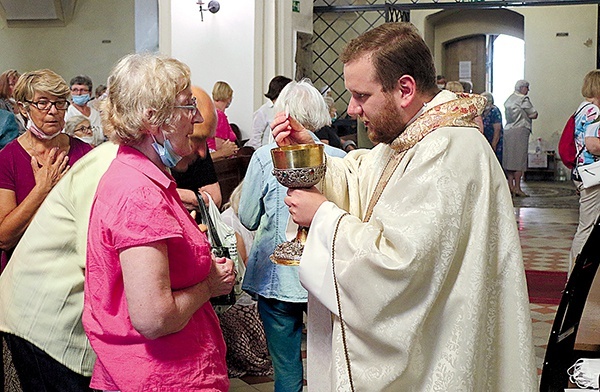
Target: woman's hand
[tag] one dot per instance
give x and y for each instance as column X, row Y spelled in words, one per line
column 226, row 149
column 53, row 168
column 222, row 276
column 286, row 131
column 303, row 204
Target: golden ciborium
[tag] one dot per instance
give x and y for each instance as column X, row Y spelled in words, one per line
column 297, row 166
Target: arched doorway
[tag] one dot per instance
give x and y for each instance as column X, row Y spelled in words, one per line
column 465, row 43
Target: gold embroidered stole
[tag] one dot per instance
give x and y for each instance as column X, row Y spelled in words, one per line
column 459, row 112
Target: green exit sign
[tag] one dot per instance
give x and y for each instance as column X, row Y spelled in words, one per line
column 295, row 5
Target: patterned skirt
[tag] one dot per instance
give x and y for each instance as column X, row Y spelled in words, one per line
column 244, row 334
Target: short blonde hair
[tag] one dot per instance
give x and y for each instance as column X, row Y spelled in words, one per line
column 305, row 103
column 222, row 91
column 591, row 84
column 73, row 122
column 455, row 86
column 138, row 83
column 42, row 80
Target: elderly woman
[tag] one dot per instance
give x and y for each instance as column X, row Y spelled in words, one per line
column 80, row 127
column 149, row 270
column 222, row 144
column 519, row 113
column 492, row 124
column 281, row 298
column 33, row 163
column 8, row 79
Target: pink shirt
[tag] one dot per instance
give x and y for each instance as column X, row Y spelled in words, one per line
column 135, row 204
column 223, row 131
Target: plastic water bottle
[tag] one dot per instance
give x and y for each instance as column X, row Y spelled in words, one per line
column 562, row 173
column 538, row 145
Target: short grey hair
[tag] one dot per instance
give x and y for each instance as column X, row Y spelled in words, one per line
column 73, row 122
column 521, row 83
column 305, row 104
column 488, row 97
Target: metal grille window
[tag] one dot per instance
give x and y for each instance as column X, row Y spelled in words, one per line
column 335, row 23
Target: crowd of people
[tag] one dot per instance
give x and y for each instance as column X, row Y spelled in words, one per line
column 411, row 276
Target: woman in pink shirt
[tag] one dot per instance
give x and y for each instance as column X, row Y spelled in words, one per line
column 149, row 271
column 222, row 145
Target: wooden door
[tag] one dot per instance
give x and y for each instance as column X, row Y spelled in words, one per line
column 468, row 49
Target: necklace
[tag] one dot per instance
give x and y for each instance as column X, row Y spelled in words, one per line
column 31, row 149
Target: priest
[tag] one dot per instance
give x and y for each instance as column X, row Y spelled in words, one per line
column 412, row 261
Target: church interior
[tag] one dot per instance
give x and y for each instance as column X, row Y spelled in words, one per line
column 247, row 42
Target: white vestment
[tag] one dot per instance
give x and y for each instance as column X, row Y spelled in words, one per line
column 432, row 288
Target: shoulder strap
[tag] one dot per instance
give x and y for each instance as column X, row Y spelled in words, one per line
column 574, row 119
column 205, row 216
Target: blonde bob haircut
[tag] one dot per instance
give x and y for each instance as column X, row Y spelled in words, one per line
column 305, row 104
column 140, row 83
column 41, row 81
column 591, row 84
column 222, row 91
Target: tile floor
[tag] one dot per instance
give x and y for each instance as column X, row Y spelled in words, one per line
column 546, row 235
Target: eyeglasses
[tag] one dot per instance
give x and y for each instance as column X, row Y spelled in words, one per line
column 80, row 90
column 45, row 105
column 192, row 106
column 84, row 129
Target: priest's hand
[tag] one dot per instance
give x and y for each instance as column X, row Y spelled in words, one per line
column 286, row 131
column 303, row 204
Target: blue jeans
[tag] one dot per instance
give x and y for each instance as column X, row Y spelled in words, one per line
column 38, row 372
column 283, row 329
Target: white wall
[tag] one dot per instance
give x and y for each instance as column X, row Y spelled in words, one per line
column 76, row 48
column 246, row 44
column 555, row 66
column 220, row 48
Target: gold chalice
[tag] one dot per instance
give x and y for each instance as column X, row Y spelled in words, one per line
column 297, row 166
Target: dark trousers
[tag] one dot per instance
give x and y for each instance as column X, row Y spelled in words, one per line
column 38, row 372
column 283, row 329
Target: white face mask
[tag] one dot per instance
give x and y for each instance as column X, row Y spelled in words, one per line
column 585, row 372
column 86, row 139
column 441, row 86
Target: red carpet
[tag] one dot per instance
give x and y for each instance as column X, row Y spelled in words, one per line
column 545, row 287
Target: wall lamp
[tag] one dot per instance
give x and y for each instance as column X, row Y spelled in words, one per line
column 213, row 7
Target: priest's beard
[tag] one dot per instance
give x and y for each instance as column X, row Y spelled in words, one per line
column 386, row 125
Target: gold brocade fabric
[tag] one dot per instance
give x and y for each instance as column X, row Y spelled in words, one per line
column 459, row 112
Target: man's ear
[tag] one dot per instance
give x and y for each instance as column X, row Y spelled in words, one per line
column 406, row 90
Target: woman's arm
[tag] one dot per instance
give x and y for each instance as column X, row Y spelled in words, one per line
column 224, row 149
column 14, row 218
column 592, row 144
column 496, row 137
column 154, row 308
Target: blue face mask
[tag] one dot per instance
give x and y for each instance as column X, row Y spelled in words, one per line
column 167, row 155
column 81, row 99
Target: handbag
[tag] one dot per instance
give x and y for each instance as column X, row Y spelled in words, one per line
column 218, row 247
column 589, row 174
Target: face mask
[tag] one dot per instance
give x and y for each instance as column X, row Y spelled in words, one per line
column 38, row 132
column 86, row 139
column 81, row 99
column 441, row 86
column 167, row 156
column 585, row 373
